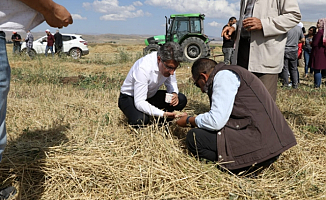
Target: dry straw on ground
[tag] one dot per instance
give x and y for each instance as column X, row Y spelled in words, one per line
column 70, row 141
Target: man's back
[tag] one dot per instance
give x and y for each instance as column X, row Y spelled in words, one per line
column 293, row 37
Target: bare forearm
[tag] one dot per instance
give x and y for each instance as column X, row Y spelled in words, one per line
column 54, row 14
column 42, row 6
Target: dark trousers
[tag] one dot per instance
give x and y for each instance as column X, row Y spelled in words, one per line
column 135, row 117
column 203, row 144
column 290, row 67
column 269, row 80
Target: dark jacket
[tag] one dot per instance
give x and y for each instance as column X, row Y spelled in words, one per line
column 256, row 130
column 318, row 53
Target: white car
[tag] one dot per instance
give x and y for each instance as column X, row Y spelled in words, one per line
column 73, row 45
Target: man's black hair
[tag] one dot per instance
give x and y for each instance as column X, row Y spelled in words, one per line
column 232, row 18
column 202, row 65
column 170, row 51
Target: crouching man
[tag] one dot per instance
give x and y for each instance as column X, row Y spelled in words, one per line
column 244, row 127
column 140, row 96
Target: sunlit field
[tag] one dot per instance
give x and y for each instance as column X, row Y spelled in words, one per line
column 67, row 138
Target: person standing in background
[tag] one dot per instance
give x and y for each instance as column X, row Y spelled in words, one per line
column 50, row 41
column 29, row 43
column 21, row 15
column 16, row 39
column 318, row 56
column 228, row 42
column 307, row 49
column 58, row 42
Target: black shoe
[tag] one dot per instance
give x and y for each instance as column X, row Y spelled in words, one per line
column 7, row 193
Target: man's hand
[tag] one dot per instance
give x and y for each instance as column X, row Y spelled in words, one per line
column 227, row 32
column 182, row 121
column 55, row 15
column 252, row 23
column 169, row 115
column 59, row 17
column 175, row 100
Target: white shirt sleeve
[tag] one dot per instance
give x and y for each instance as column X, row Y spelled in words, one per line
column 140, row 94
column 225, row 88
column 171, row 84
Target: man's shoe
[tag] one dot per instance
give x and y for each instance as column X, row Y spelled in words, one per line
column 7, row 193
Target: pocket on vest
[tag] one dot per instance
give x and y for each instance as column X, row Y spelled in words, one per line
column 242, row 137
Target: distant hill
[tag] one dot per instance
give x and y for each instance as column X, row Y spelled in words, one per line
column 124, row 39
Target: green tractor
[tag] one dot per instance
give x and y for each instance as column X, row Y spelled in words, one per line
column 188, row 31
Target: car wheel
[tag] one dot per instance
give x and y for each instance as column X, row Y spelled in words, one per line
column 75, row 53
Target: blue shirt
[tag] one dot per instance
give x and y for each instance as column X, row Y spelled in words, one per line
column 225, row 88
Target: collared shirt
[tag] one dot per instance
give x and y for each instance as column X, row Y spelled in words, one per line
column 225, row 88
column 143, row 81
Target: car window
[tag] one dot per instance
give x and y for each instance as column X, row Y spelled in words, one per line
column 66, row 38
column 73, row 37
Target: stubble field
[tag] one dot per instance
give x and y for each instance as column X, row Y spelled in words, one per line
column 67, row 138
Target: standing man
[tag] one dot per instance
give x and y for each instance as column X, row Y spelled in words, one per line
column 16, row 39
column 29, row 43
column 261, row 37
column 140, row 96
column 244, row 129
column 50, row 41
column 21, row 15
column 294, row 36
column 58, row 42
column 228, row 42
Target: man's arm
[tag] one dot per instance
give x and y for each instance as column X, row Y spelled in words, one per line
column 54, row 14
column 289, row 17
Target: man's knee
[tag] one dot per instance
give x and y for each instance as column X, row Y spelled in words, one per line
column 139, row 120
column 182, row 101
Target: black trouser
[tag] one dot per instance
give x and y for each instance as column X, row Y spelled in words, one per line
column 136, row 117
column 203, row 144
column 290, row 67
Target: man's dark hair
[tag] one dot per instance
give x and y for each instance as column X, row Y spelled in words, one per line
column 170, row 51
column 202, row 65
column 232, row 18
column 314, row 29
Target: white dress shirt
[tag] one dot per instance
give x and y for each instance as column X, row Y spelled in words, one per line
column 225, row 88
column 144, row 80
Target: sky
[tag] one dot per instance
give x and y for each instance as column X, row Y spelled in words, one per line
column 147, row 17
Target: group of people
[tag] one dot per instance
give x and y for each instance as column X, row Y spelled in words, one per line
column 51, row 40
column 311, row 43
column 16, row 16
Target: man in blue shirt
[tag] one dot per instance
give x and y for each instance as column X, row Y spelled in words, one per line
column 244, row 128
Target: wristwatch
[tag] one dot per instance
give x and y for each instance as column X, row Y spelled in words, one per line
column 187, row 120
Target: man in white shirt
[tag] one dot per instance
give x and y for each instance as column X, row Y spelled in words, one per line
column 140, row 96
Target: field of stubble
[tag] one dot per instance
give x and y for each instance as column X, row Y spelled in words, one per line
column 67, row 138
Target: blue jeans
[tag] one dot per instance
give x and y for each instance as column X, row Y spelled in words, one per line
column 16, row 49
column 317, row 77
column 47, row 49
column 4, row 89
column 228, row 54
column 306, row 60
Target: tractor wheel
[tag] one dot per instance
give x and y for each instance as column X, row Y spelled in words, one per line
column 194, row 48
column 150, row 48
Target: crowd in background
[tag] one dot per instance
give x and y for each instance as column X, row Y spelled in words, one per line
column 310, row 48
